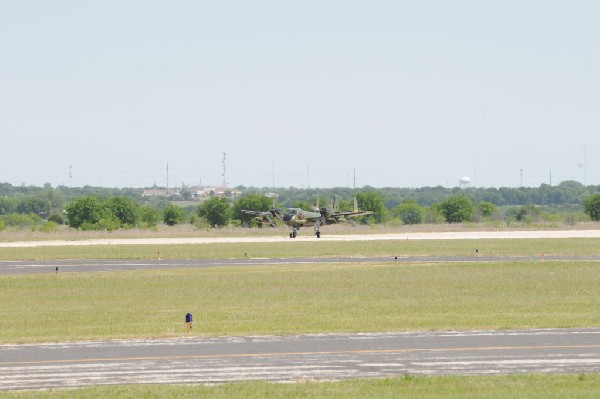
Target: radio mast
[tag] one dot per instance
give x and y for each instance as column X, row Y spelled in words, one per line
column 224, row 170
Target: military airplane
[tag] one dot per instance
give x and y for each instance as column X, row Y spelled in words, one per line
column 298, row 217
column 269, row 217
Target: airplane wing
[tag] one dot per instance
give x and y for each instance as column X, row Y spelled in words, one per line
column 336, row 217
column 350, row 214
column 256, row 213
column 264, row 217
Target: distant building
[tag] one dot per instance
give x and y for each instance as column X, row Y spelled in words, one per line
column 161, row 192
column 155, row 193
column 205, row 192
column 196, row 192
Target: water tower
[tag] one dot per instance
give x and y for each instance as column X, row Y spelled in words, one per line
column 464, row 182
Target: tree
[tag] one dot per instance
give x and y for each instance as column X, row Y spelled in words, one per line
column 434, row 214
column 91, row 213
column 125, row 209
column 250, row 202
column 457, row 209
column 216, row 211
column 36, row 205
column 172, row 215
column 85, row 210
column 372, row 201
column 54, row 198
column 7, row 205
column 591, row 204
column 409, row 212
column 529, row 214
column 487, row 209
column 149, row 216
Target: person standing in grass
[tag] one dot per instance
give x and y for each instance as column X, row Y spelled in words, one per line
column 188, row 322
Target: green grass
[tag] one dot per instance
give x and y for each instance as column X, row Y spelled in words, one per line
column 290, row 299
column 496, row 387
column 510, row 247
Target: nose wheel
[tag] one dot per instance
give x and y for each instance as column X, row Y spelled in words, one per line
column 293, row 233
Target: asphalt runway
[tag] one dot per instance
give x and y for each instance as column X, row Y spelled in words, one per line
column 298, row 358
column 103, row 265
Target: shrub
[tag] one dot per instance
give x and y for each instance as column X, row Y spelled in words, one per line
column 84, row 210
column 216, row 211
column 49, row 227
column 591, row 205
column 409, row 212
column 108, row 223
column 457, row 209
column 56, row 218
column 173, row 215
column 22, row 221
column 149, row 216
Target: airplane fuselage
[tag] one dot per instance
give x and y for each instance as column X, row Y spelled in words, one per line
column 296, row 217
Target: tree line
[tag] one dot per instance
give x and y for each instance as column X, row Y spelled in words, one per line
column 108, row 209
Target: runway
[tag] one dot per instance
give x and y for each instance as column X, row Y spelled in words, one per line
column 298, row 358
column 104, row 265
column 289, row 358
column 448, row 235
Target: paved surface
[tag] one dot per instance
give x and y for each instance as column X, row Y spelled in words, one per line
column 95, row 265
column 298, row 358
column 463, row 235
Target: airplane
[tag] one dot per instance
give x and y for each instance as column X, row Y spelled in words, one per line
column 298, row 217
column 269, row 217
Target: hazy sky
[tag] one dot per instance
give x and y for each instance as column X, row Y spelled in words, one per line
column 299, row 93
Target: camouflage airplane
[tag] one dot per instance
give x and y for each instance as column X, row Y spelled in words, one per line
column 269, row 217
column 297, row 217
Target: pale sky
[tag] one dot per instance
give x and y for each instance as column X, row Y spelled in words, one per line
column 299, row 93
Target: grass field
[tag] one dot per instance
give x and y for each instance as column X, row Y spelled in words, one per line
column 499, row 387
column 290, row 299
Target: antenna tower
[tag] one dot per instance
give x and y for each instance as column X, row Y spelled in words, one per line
column 224, row 170
column 521, row 177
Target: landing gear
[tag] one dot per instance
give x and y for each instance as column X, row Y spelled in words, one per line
column 293, row 233
column 317, row 229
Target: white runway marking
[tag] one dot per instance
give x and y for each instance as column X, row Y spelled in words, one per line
column 298, row 358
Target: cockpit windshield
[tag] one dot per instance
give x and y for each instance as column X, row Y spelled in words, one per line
column 290, row 212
